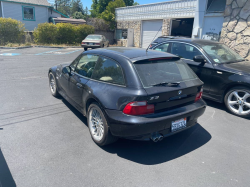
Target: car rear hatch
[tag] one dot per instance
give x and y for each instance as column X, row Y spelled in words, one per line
column 169, row 82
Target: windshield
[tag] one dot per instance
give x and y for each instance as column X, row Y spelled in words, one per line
column 93, row 37
column 221, row 53
column 160, row 71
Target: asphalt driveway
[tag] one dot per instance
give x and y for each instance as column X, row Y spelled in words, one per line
column 44, row 141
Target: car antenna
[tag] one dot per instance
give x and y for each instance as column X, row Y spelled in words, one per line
column 153, row 39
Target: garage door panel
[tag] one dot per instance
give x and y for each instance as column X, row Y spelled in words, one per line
column 150, row 29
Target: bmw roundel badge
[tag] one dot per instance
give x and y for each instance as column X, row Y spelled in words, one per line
column 179, row 92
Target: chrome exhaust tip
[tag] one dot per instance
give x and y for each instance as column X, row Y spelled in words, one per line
column 160, row 138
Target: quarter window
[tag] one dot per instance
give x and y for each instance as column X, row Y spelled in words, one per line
column 163, row 47
column 29, row 13
column 86, row 65
column 184, row 50
column 108, row 71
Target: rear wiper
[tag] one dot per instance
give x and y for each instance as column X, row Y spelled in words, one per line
column 167, row 84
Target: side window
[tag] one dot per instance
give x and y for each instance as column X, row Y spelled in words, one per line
column 74, row 63
column 108, row 71
column 184, row 50
column 86, row 65
column 163, row 47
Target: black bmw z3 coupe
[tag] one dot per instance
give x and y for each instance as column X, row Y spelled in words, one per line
column 130, row 93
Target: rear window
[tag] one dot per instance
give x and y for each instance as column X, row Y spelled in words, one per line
column 157, row 71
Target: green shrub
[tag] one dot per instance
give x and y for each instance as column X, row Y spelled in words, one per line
column 82, row 31
column 45, row 33
column 11, row 31
column 65, row 33
column 61, row 33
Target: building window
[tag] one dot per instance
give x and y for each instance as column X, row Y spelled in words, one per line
column 121, row 34
column 29, row 13
column 214, row 6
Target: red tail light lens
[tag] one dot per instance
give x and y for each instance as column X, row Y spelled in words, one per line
column 97, row 43
column 83, row 43
column 138, row 108
column 199, row 95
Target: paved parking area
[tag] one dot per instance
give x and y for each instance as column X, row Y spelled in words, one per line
column 45, row 142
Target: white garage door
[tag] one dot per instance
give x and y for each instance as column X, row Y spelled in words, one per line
column 149, row 30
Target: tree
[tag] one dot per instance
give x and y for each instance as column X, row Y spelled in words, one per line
column 109, row 14
column 63, row 6
column 98, row 7
column 77, row 7
column 135, row 3
column 78, row 15
column 129, row 2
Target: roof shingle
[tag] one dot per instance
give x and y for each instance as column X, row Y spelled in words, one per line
column 35, row 2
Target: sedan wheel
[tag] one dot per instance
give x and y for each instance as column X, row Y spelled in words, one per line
column 52, row 85
column 98, row 126
column 238, row 101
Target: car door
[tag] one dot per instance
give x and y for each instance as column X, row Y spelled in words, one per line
column 163, row 47
column 64, row 79
column 80, row 77
column 204, row 71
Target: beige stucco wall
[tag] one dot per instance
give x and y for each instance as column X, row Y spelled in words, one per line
column 236, row 27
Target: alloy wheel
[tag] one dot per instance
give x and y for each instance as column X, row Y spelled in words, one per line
column 96, row 124
column 239, row 102
column 52, row 84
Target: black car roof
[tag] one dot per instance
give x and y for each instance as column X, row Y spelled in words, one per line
column 133, row 53
column 189, row 40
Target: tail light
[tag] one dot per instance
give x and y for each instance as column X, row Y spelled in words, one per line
column 199, row 95
column 83, row 43
column 138, row 108
column 150, row 46
column 97, row 43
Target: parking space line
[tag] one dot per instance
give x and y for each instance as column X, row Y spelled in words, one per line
column 49, row 51
column 73, row 51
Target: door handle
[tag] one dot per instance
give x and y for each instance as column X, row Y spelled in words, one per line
column 79, row 85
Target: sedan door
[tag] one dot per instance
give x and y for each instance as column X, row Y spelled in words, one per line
column 80, row 77
column 204, row 71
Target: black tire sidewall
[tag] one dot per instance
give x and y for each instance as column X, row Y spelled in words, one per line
column 85, row 48
column 240, row 88
column 105, row 124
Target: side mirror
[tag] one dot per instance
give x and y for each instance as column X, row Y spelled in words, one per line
column 199, row 58
column 66, row 70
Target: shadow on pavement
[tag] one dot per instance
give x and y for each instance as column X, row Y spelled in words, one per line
column 217, row 105
column 150, row 153
column 6, row 179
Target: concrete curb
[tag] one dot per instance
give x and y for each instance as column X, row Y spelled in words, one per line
column 16, row 47
column 40, row 46
column 57, row 47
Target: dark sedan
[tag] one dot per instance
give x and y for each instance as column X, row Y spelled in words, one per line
column 226, row 75
column 130, row 93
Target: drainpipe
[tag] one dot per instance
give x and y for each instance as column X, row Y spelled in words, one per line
column 2, row 9
column 199, row 18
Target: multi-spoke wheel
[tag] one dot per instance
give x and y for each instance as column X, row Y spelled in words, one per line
column 237, row 101
column 52, row 85
column 98, row 126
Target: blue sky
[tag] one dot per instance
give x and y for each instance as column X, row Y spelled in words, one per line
column 88, row 3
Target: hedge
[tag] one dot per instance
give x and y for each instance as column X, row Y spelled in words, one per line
column 61, row 33
column 11, row 31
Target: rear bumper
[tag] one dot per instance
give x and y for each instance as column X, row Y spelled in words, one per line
column 142, row 127
column 91, row 46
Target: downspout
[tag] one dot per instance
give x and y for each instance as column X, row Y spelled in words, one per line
column 199, row 18
column 2, row 9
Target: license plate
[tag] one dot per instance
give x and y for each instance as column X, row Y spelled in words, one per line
column 179, row 124
column 91, row 44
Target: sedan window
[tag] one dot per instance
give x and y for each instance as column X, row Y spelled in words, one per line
column 163, row 47
column 108, row 71
column 184, row 51
column 86, row 65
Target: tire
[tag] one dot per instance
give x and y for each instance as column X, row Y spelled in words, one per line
column 105, row 137
column 85, row 48
column 237, row 101
column 53, row 85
